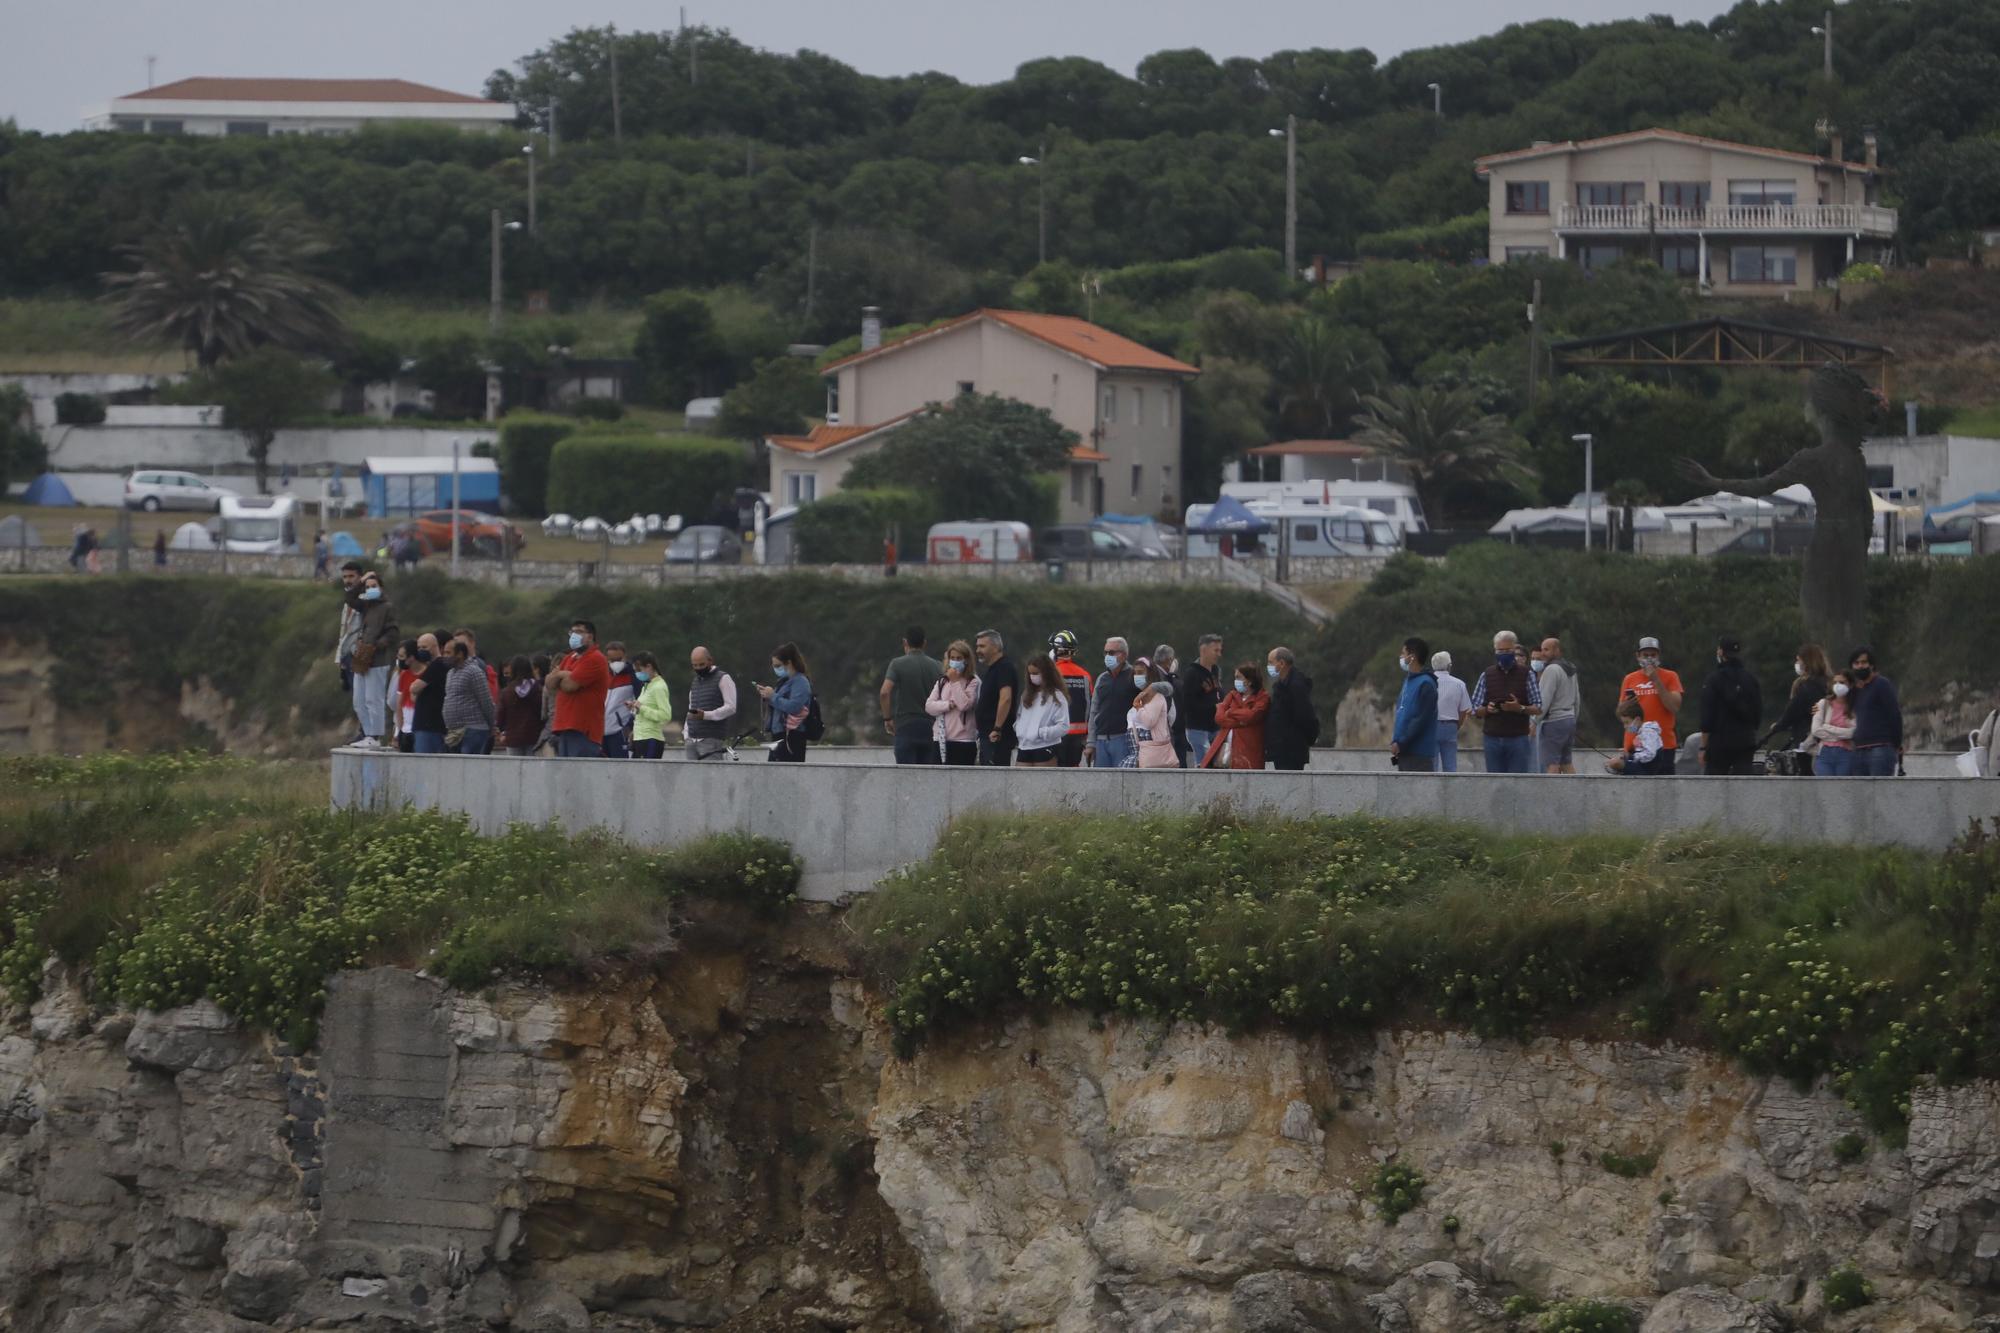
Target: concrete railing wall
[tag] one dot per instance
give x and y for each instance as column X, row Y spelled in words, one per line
column 856, row 823
column 115, row 448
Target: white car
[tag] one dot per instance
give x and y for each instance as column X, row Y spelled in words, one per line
column 153, row 491
column 557, row 525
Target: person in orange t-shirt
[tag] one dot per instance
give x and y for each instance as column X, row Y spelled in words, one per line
column 1659, row 693
column 580, row 681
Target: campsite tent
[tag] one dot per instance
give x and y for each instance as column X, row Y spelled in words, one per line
column 47, row 489
column 344, row 546
column 16, row 531
column 192, row 537
column 1229, row 514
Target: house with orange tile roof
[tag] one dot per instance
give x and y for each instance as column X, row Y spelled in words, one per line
column 1122, row 399
column 260, row 107
column 1736, row 219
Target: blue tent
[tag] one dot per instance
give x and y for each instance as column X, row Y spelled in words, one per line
column 1229, row 515
column 47, row 489
column 343, row 544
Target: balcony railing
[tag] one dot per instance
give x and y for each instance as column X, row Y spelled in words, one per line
column 1826, row 219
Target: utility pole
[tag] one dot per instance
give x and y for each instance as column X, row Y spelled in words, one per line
column 150, row 62
column 1589, row 443
column 812, row 268
column 1828, row 60
column 1534, row 341
column 529, row 152
column 552, row 129
column 1291, row 198
column 1437, row 99
column 493, row 314
column 617, row 121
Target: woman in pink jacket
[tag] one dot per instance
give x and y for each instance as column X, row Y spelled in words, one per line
column 951, row 702
column 1151, row 723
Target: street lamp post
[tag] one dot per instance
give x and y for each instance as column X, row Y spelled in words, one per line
column 454, row 506
column 1825, row 32
column 1041, row 201
column 1437, row 98
column 493, row 315
column 1290, row 134
column 529, row 151
column 1589, row 443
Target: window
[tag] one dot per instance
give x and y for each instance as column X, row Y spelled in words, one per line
column 1764, row 263
column 1515, row 253
column 1683, row 261
column 1105, row 544
column 1599, row 256
column 1167, row 406
column 1138, row 477
column 255, row 128
column 1611, row 192
column 164, row 126
column 1138, row 407
column 1306, row 533
column 1527, row 196
column 1075, row 485
column 833, row 398
column 1763, row 193
column 128, row 124
column 1684, row 194
column 965, row 388
column 1382, row 506
column 801, row 487
column 1110, row 411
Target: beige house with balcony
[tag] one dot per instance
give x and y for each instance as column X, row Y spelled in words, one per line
column 1738, row 219
column 1123, row 400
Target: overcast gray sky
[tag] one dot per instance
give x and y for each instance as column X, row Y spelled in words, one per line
column 60, row 56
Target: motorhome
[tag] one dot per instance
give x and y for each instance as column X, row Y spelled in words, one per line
column 260, row 524
column 1309, row 528
column 1393, row 500
column 980, row 542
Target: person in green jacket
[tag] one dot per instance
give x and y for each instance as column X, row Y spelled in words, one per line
column 653, row 710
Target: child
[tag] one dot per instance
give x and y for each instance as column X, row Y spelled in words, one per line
column 653, row 711
column 1646, row 742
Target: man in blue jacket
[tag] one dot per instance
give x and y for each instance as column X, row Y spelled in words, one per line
column 1414, row 748
column 1878, row 719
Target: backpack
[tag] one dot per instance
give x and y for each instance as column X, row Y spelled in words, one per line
column 814, row 727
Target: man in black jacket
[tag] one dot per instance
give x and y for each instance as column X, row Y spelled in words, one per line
column 1291, row 727
column 1732, row 707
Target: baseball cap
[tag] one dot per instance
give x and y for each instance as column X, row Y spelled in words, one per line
column 1649, row 642
column 1729, row 643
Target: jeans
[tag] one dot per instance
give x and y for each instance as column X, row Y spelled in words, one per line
column 1833, row 762
column 915, row 746
column 1447, row 748
column 477, row 740
column 371, row 700
column 1875, row 761
column 576, row 745
column 614, row 745
column 1198, row 743
column 997, row 754
column 1113, row 752
column 1510, row 754
column 427, row 742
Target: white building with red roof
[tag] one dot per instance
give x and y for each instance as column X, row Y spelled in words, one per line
column 216, row 106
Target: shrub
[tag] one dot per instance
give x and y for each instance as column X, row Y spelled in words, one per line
column 615, row 475
column 526, row 443
column 848, row 526
column 597, row 409
column 1849, row 1148
column 1587, row 1317
column 1396, row 1190
column 1846, row 1289
column 1861, row 273
column 22, row 454
column 79, row 409
column 1632, row 1167
column 1455, row 240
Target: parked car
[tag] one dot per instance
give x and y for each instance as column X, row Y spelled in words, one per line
column 478, row 533
column 1085, row 541
column 1786, row 538
column 558, row 525
column 705, row 544
column 153, row 491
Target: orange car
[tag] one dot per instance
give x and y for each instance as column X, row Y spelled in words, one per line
column 478, row 533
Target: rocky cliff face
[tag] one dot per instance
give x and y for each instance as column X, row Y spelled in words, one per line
column 723, row 1142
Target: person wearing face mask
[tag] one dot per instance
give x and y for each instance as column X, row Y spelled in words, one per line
column 1833, row 729
column 1109, row 744
column 1810, row 684
column 1413, row 747
column 408, row 671
column 1454, row 708
column 953, row 703
column 1149, row 722
column 652, row 711
column 1659, row 693
column 788, row 704
column 1555, row 738
column 373, row 649
column 618, row 698
column 1166, row 667
column 711, row 702
column 1878, row 718
column 1505, row 698
column 1239, row 721
column 519, row 714
column 427, row 695
column 1078, row 684
column 1732, row 706
column 580, row 681
column 350, row 629
column 468, row 701
column 1042, row 720
column 1644, row 744
column 1201, row 687
column 1292, row 728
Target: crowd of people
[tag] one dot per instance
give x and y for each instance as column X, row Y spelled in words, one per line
column 974, row 704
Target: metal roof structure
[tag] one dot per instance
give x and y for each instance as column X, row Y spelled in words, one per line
column 1728, row 343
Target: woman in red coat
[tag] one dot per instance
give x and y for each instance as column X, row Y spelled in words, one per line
column 1239, row 720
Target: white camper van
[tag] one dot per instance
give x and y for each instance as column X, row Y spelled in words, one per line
column 260, row 524
column 979, row 542
column 1393, row 500
column 1311, row 528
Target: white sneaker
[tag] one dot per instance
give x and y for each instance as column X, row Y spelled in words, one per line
column 366, row 743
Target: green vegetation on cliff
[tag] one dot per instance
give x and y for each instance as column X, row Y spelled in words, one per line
column 1875, row 967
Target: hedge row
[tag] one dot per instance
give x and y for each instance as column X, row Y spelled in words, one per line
column 526, row 443
column 848, row 526
column 611, row 476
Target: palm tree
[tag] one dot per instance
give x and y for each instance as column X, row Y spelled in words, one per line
column 1442, row 436
column 1322, row 372
column 222, row 275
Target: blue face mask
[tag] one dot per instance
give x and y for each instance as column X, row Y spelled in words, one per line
column 781, row 671
column 1404, row 663
column 1271, row 670
column 371, row 594
column 575, row 642
column 1242, row 686
column 1506, row 661
column 643, row 676
column 1138, row 678
column 1111, row 661
column 954, row 664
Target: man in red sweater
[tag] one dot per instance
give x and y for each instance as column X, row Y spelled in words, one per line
column 580, row 681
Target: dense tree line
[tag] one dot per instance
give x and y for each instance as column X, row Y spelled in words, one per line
column 730, row 158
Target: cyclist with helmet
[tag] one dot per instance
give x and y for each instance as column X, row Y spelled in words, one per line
column 1077, row 684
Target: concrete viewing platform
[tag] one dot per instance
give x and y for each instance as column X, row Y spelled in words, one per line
column 854, row 823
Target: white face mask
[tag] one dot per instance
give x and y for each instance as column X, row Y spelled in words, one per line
column 1034, row 677
column 1798, row 668
column 1840, row 688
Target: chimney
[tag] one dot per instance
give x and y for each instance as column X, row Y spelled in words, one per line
column 1870, row 148
column 871, row 327
column 1838, row 147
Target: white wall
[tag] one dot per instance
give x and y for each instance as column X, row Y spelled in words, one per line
column 115, row 448
column 1940, row 468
